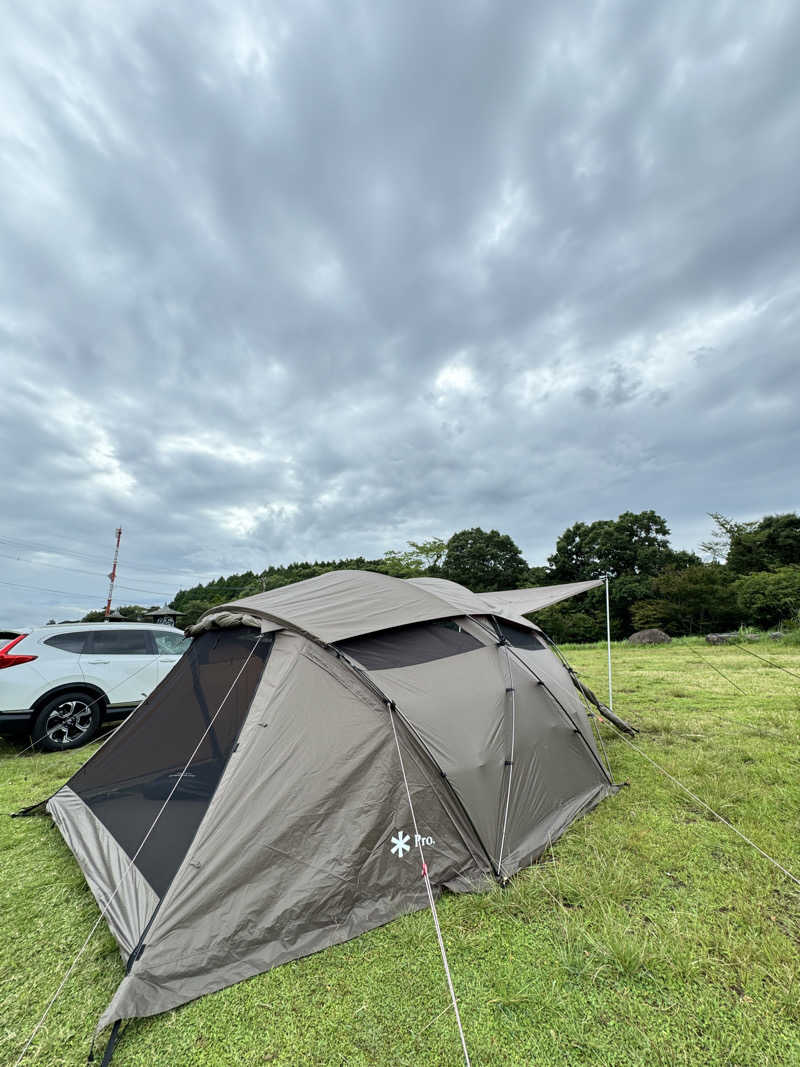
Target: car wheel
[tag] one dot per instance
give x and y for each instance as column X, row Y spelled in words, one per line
column 67, row 721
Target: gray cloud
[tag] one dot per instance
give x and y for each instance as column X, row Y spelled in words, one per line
column 310, row 281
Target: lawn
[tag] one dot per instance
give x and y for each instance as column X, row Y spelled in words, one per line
column 651, row 934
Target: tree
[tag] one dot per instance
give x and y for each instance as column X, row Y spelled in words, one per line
column 483, row 561
column 725, row 529
column 772, row 542
column 572, row 621
column 767, row 598
column 421, row 557
column 635, row 543
column 688, row 600
column 129, row 612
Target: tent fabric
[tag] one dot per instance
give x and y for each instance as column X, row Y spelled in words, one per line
column 279, row 873
column 549, row 760
column 293, row 831
column 226, row 620
column 115, row 884
column 342, row 604
column 523, row 601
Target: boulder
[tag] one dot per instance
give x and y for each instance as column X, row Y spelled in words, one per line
column 731, row 638
column 649, row 637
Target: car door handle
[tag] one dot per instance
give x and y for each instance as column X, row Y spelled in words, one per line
column 167, row 659
column 99, row 661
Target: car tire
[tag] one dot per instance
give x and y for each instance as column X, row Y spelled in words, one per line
column 67, row 721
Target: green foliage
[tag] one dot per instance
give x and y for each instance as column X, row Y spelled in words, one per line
column 763, row 546
column 725, row 529
column 570, row 621
column 633, row 544
column 129, row 612
column 767, row 598
column 421, row 558
column 694, row 599
column 484, row 561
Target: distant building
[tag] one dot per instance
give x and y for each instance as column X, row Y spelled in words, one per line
column 166, row 615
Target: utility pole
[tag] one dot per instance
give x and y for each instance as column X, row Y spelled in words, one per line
column 112, row 576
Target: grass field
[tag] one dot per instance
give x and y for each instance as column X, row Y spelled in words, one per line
column 651, row 934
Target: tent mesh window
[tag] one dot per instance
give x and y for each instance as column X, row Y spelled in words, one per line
column 130, row 777
column 404, row 646
column 518, row 636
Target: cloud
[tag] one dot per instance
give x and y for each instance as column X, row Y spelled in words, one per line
column 308, row 282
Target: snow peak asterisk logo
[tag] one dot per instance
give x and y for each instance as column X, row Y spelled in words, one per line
column 400, row 844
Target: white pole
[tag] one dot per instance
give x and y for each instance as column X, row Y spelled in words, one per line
column 608, row 642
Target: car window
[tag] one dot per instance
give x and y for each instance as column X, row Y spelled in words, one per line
column 169, row 644
column 120, row 642
column 68, row 642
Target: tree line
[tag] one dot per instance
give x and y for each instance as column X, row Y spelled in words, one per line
column 750, row 575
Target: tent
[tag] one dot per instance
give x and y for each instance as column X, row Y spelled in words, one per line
column 315, row 748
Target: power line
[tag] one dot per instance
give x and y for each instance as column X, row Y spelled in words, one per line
column 59, row 592
column 91, row 596
column 37, row 546
column 73, row 570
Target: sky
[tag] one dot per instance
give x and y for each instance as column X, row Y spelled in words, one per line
column 309, row 280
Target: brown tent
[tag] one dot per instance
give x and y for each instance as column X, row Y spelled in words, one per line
column 274, row 795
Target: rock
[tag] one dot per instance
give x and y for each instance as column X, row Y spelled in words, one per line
column 649, row 637
column 730, row 639
column 719, row 639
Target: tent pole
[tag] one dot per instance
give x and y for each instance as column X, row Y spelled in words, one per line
column 608, row 643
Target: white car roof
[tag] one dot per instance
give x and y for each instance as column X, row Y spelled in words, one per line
column 53, row 627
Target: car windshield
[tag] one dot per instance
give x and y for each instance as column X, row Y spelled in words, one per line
column 171, row 644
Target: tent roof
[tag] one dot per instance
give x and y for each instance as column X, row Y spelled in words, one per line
column 342, row 604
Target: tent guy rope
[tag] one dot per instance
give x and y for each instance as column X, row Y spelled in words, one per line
column 764, row 659
column 123, row 876
column 431, row 900
column 703, row 804
column 715, row 668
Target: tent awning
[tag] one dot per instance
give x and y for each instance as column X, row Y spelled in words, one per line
column 522, row 601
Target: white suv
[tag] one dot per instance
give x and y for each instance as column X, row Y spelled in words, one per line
column 59, row 683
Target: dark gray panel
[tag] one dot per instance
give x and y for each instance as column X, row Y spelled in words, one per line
column 518, row 636
column 130, row 777
column 407, row 645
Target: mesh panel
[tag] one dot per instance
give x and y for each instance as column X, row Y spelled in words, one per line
column 131, row 776
column 518, row 636
column 406, row 645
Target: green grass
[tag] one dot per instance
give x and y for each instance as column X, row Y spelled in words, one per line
column 650, row 934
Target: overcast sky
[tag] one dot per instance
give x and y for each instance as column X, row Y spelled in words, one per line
column 308, row 280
